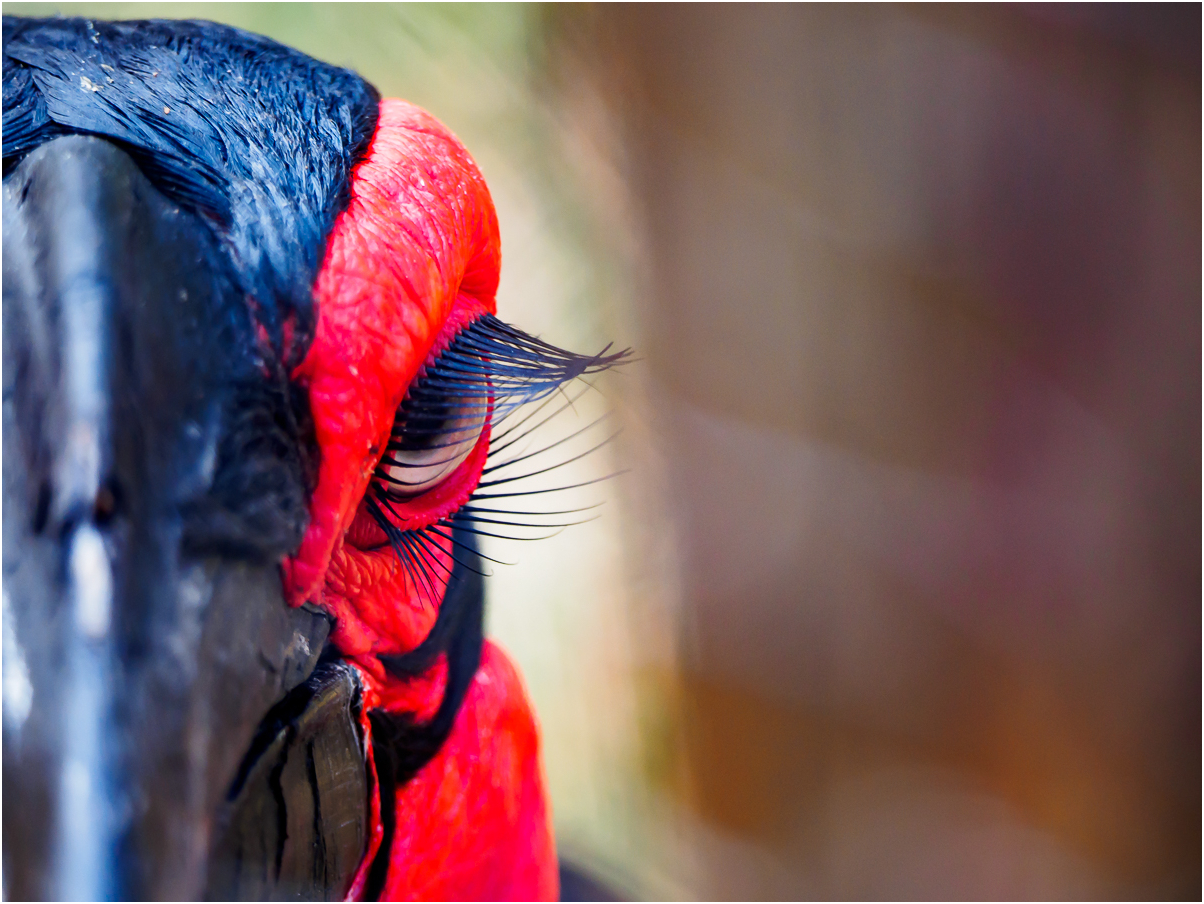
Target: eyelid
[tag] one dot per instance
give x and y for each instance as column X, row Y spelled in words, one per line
column 411, row 471
column 487, row 370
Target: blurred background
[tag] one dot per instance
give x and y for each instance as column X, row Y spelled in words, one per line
column 899, row 593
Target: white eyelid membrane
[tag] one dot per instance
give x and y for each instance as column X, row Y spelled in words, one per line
column 420, row 470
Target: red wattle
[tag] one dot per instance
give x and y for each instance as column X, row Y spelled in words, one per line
column 415, row 257
column 474, row 823
column 417, row 244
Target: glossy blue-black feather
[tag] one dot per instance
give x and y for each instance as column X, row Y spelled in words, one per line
column 258, row 139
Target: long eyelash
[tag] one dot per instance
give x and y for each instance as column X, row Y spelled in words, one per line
column 414, row 548
column 492, row 364
column 489, row 369
column 502, row 441
column 561, row 464
column 571, row 486
column 513, row 461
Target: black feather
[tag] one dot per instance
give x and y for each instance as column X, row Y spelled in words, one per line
column 257, row 138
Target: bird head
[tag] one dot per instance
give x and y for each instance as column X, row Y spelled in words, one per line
column 254, row 375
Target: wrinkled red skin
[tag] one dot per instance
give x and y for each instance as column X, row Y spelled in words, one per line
column 414, row 257
column 476, row 820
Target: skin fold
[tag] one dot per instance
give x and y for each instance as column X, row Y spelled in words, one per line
column 415, row 257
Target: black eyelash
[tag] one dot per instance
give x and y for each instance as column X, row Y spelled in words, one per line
column 489, row 367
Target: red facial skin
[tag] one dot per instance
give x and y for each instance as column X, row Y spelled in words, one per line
column 414, row 257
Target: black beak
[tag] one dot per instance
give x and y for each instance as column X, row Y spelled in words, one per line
column 156, row 469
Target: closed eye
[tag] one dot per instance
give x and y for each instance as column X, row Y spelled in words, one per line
column 431, row 438
column 488, row 372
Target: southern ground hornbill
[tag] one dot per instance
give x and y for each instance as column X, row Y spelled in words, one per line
column 257, row 408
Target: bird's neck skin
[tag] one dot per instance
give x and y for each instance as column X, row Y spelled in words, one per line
column 414, row 257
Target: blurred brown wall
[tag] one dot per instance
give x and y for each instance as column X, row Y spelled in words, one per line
column 923, row 325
